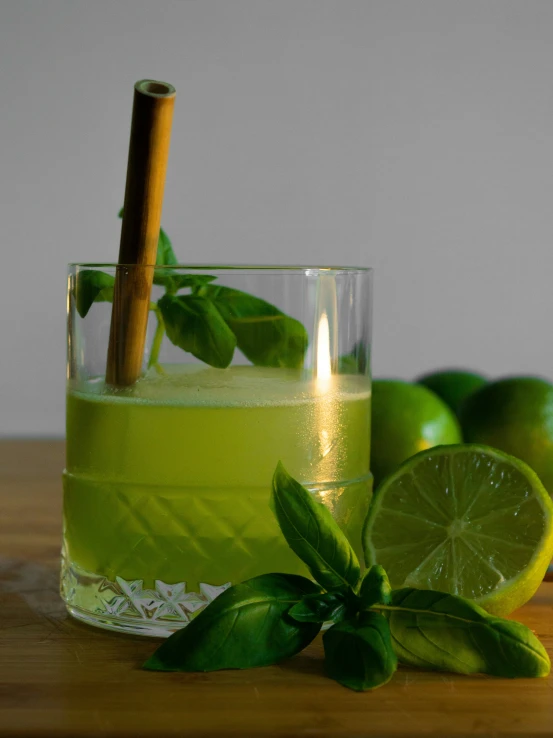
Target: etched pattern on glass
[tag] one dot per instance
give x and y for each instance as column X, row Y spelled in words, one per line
column 128, row 600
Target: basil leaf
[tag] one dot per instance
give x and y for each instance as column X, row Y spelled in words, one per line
column 347, row 364
column 265, row 335
column 375, row 587
column 92, row 286
column 246, row 626
column 313, row 534
column 165, row 255
column 320, row 608
column 359, row 654
column 195, row 325
column 356, row 361
column 433, row 630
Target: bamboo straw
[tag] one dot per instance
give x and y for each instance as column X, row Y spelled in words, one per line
column 147, row 164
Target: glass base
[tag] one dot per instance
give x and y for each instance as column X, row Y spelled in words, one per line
column 137, row 537
column 128, row 607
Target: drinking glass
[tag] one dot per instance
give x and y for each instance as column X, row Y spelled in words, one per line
column 167, row 486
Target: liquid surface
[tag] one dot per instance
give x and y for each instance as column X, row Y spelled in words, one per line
column 168, row 482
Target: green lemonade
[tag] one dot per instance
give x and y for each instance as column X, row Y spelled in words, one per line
column 168, row 483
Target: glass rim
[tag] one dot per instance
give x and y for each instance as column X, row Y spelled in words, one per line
column 305, row 270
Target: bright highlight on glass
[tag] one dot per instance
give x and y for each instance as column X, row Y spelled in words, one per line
column 324, row 369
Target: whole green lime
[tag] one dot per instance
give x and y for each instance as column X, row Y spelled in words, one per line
column 406, row 419
column 515, row 415
column 453, row 385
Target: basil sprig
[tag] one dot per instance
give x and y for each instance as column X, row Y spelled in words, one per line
column 272, row 617
column 211, row 320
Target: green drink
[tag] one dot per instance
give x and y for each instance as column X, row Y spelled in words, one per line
column 168, row 483
column 167, row 486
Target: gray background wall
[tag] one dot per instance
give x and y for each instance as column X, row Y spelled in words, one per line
column 415, row 136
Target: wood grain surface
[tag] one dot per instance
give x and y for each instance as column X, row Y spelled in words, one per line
column 62, row 678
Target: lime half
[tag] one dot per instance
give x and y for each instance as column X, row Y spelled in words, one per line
column 464, row 519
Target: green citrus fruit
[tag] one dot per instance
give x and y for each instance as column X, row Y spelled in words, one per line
column 515, row 415
column 464, row 519
column 453, row 385
column 406, row 418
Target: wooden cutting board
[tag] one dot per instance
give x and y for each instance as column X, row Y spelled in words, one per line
column 61, row 678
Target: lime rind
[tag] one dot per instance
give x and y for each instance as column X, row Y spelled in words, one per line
column 465, row 519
